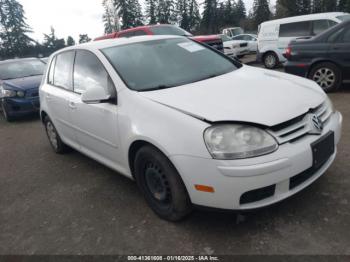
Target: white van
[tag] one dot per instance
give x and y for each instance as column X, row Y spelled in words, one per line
column 274, row 36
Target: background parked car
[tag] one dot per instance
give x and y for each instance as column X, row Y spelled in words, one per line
column 232, row 31
column 236, row 48
column 252, row 41
column 165, row 29
column 275, row 35
column 324, row 58
column 19, row 84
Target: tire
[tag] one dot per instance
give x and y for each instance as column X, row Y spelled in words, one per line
column 327, row 75
column 161, row 184
column 5, row 113
column 55, row 140
column 270, row 60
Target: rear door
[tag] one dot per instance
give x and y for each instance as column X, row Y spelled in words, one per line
column 339, row 50
column 58, row 92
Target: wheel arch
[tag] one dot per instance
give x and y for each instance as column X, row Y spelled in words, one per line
column 43, row 114
column 322, row 60
column 135, row 147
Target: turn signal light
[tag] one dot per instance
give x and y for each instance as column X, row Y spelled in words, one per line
column 204, row 188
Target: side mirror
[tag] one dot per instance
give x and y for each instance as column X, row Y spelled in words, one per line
column 98, row 94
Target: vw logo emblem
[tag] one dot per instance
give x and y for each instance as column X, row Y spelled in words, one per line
column 315, row 124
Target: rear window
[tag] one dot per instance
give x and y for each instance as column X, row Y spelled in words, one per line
column 344, row 17
column 295, row 29
column 169, row 30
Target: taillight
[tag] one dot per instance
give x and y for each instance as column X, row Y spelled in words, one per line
column 288, row 52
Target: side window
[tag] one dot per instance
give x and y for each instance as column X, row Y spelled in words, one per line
column 139, row 32
column 297, row 29
column 346, row 36
column 52, row 70
column 63, row 70
column 332, row 23
column 318, row 26
column 89, row 72
column 127, row 34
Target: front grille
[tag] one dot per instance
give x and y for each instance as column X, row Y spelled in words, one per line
column 298, row 127
column 243, row 45
column 34, row 92
column 257, row 194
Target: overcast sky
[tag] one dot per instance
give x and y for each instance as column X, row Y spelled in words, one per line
column 69, row 17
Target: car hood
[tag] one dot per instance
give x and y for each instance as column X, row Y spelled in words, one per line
column 24, row 83
column 245, row 95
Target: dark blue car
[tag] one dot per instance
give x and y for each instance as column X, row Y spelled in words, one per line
column 19, row 86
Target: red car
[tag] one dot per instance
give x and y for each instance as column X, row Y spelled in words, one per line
column 211, row 40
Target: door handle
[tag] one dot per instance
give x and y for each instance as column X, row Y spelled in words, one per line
column 72, row 105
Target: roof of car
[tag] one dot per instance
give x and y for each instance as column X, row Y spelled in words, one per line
column 301, row 17
column 97, row 45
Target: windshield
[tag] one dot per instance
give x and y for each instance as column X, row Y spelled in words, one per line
column 169, row 30
column 166, row 63
column 225, row 38
column 19, row 69
column 343, row 17
column 236, row 31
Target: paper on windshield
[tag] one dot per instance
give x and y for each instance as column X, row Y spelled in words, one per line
column 191, row 46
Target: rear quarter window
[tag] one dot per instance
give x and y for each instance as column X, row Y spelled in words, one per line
column 296, row 29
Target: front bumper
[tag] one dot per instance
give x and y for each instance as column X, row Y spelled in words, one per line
column 17, row 107
column 275, row 172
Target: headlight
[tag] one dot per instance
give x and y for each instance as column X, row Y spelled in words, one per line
column 8, row 93
column 237, row 141
column 20, row 93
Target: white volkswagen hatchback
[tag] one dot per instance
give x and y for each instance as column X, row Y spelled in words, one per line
column 190, row 125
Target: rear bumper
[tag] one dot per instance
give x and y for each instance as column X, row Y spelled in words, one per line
column 17, row 107
column 256, row 182
column 297, row 68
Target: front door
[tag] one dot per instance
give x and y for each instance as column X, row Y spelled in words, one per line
column 96, row 125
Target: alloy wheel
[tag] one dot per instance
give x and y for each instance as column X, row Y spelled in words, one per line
column 270, row 61
column 324, row 77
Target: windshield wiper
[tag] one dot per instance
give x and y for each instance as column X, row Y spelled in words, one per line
column 159, row 87
column 31, row 75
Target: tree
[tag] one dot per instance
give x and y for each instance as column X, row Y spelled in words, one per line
column 151, row 11
column 208, row 23
column 241, row 12
column 165, row 11
column 320, row 6
column 52, row 43
column 188, row 16
column 129, row 12
column 84, row 38
column 110, row 17
column 344, row 6
column 285, row 8
column 261, row 11
column 70, row 41
column 14, row 40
